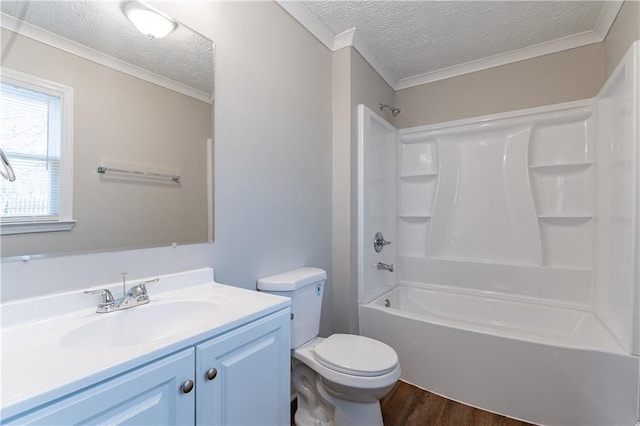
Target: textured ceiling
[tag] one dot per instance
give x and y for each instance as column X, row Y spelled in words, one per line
column 410, row 38
column 417, row 37
column 183, row 56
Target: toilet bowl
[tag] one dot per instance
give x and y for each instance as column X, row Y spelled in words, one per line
column 339, row 380
column 353, row 374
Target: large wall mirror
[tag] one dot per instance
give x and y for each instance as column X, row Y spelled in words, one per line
column 142, row 109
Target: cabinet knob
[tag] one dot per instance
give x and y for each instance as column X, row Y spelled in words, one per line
column 187, row 386
column 212, row 373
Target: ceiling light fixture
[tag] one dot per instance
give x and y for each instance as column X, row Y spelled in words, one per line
column 148, row 21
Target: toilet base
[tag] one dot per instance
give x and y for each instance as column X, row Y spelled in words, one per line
column 312, row 409
column 318, row 407
column 346, row 413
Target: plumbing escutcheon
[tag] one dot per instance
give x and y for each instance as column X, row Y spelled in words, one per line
column 379, row 242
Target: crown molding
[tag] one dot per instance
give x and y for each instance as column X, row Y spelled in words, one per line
column 553, row 46
column 353, row 38
column 348, row 38
column 607, row 15
column 300, row 13
column 23, row 28
column 344, row 39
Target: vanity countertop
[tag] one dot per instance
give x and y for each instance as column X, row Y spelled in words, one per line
column 56, row 344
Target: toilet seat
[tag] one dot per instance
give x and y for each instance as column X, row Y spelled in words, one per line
column 355, row 355
column 305, row 354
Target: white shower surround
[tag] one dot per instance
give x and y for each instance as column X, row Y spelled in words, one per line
column 536, row 209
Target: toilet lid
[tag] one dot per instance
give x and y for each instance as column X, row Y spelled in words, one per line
column 356, row 355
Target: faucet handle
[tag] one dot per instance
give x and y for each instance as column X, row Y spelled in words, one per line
column 379, row 242
column 106, row 298
column 142, row 287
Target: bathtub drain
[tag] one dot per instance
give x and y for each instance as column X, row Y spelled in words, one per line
column 387, row 303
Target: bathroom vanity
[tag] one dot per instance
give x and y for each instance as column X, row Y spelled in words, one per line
column 199, row 353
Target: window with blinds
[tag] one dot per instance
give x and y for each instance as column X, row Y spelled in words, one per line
column 35, row 131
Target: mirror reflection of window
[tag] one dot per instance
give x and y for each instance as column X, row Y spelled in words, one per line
column 35, row 140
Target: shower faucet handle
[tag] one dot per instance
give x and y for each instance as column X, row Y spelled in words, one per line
column 379, row 242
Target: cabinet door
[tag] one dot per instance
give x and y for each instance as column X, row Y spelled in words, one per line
column 149, row 395
column 251, row 384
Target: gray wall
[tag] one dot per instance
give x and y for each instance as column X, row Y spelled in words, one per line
column 342, row 259
column 272, row 144
column 559, row 77
column 624, row 31
column 133, row 124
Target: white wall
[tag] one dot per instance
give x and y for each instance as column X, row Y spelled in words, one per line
column 618, row 161
column 272, row 154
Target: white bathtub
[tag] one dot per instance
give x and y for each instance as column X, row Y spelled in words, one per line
column 543, row 364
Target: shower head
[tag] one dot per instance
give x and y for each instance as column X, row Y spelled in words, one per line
column 394, row 111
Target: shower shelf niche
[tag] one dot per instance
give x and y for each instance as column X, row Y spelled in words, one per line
column 564, row 190
column 566, row 218
column 567, row 242
column 419, row 176
column 561, row 167
column 413, row 232
column 418, row 159
column 417, row 193
column 566, row 268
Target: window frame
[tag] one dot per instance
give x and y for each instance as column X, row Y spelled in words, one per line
column 64, row 221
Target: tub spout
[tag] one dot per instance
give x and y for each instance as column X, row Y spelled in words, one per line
column 385, row 267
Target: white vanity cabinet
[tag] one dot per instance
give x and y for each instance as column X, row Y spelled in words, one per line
column 147, row 395
column 240, row 377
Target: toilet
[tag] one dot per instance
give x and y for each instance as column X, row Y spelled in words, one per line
column 339, row 380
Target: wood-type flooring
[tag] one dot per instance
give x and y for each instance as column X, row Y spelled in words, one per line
column 407, row 405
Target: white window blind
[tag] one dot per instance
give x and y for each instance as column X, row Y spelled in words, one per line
column 33, row 137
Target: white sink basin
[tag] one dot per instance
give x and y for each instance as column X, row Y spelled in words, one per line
column 140, row 324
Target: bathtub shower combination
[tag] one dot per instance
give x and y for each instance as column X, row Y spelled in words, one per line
column 515, row 241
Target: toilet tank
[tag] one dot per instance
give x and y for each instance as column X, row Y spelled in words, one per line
column 304, row 286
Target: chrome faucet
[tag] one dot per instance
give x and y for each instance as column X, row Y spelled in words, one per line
column 385, row 267
column 136, row 296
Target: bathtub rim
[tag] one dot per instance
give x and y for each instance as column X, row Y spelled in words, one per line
column 611, row 346
column 511, row 297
